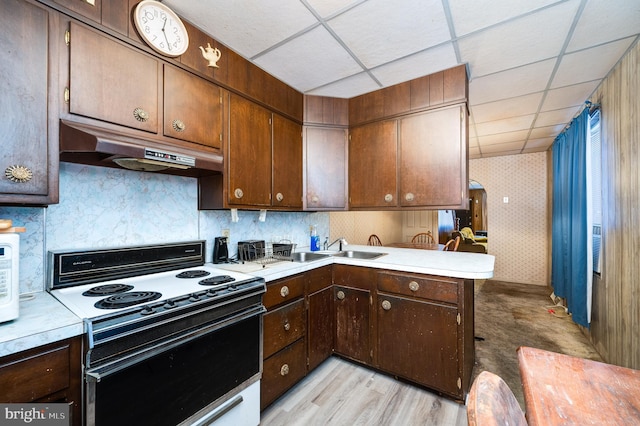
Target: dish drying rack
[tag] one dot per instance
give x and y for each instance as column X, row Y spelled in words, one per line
column 270, row 253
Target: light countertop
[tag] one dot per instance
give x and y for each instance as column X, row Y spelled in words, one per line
column 42, row 320
column 45, row 320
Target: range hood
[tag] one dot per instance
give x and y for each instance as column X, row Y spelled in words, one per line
column 86, row 144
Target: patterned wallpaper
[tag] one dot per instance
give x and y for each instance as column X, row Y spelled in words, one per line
column 357, row 226
column 520, row 230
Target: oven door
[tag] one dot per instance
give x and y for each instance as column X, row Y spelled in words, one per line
column 187, row 377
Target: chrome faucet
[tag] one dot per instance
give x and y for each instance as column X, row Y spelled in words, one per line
column 341, row 240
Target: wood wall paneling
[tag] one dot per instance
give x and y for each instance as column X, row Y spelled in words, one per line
column 615, row 325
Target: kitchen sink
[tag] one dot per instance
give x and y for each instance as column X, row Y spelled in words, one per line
column 360, row 254
column 303, row 256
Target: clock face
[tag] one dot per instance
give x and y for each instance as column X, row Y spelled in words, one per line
column 161, row 28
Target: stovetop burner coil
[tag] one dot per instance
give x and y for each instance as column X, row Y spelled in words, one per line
column 197, row 273
column 216, row 280
column 126, row 299
column 107, row 289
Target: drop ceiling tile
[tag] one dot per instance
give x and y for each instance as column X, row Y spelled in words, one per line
column 511, row 83
column 605, row 20
column 557, row 117
column 500, row 153
column 590, row 64
column 506, row 125
column 521, row 105
column 326, row 8
column 309, row 61
column 472, row 15
column 547, row 131
column 247, row 26
column 511, row 146
column 520, row 135
column 348, row 87
column 532, row 150
column 474, row 152
column 539, row 143
column 532, row 38
column 379, row 31
column 568, row 96
column 417, row 65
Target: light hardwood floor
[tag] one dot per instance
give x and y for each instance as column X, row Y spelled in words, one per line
column 340, row 393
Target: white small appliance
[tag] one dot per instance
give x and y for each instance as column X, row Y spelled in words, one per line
column 9, row 283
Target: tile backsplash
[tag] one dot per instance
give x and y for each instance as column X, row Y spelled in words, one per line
column 103, row 207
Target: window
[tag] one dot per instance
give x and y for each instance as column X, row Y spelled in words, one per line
column 595, row 180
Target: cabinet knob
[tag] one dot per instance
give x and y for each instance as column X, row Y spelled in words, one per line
column 340, row 295
column 284, row 370
column 140, row 114
column 238, row 193
column 409, row 196
column 287, row 326
column 284, row 291
column 414, row 286
column 315, row 199
column 388, row 198
column 178, row 125
column 386, row 305
column 279, row 196
column 18, row 174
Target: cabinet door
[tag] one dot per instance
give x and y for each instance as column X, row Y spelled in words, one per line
column 433, row 159
column 320, row 316
column 325, row 168
column 24, row 128
column 418, row 341
column 112, row 82
column 249, row 154
column 193, row 108
column 352, row 337
column 287, row 163
column 372, row 165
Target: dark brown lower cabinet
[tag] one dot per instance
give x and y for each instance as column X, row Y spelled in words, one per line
column 352, row 324
column 321, row 316
column 418, row 340
column 49, row 373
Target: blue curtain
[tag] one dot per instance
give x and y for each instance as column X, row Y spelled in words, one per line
column 569, row 268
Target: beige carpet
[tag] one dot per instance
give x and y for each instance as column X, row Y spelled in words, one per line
column 510, row 315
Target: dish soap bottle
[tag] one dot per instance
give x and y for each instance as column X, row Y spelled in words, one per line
column 315, row 238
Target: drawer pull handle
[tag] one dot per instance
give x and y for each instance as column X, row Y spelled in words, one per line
column 414, row 286
column 18, row 174
column 178, row 125
column 386, row 305
column 287, row 326
column 140, row 114
column 284, row 370
column 284, row 291
column 340, row 295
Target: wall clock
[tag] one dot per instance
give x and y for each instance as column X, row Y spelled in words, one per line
column 161, row 28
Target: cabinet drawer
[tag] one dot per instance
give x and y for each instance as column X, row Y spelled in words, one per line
column 419, row 286
column 36, row 376
column 282, row 371
column 283, row 291
column 283, row 326
column 319, row 279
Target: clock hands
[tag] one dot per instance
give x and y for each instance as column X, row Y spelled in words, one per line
column 165, row 33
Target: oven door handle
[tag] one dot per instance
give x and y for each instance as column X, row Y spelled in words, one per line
column 95, row 374
column 219, row 412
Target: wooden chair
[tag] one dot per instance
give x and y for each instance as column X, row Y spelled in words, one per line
column 374, row 240
column 452, row 245
column 491, row 403
column 423, row 237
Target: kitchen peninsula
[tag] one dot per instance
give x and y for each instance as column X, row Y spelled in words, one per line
column 363, row 310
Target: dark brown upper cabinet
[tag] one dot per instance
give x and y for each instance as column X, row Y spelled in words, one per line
column 29, row 161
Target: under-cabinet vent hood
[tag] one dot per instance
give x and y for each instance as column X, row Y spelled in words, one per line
column 85, row 144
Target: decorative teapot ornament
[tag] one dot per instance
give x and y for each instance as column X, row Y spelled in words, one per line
column 211, row 54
